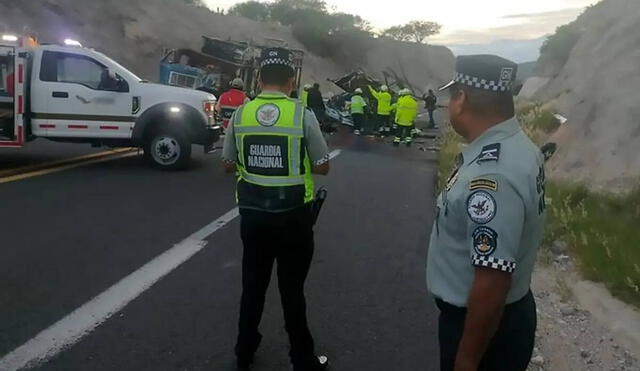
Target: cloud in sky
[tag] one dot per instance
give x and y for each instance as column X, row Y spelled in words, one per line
column 528, row 26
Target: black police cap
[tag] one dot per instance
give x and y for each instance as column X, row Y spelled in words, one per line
column 277, row 57
column 485, row 72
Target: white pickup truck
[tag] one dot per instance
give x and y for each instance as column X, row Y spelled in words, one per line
column 68, row 93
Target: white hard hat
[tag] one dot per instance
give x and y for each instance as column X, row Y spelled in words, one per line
column 405, row 92
column 384, row 88
column 307, row 86
column 358, row 91
column 237, row 83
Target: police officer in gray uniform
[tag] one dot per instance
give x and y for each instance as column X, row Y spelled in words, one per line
column 488, row 227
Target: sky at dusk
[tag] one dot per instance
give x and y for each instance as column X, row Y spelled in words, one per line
column 464, row 21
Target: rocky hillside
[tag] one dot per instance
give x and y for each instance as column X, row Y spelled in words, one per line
column 596, row 85
column 134, row 32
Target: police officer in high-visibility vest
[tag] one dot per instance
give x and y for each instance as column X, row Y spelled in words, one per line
column 384, row 108
column 406, row 112
column 275, row 145
column 488, row 227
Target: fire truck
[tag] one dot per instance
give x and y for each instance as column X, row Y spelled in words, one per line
column 69, row 93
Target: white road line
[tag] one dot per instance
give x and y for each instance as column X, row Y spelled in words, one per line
column 79, row 323
column 335, row 153
column 85, row 319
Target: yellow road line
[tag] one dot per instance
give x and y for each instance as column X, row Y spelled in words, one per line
column 46, row 165
column 14, row 178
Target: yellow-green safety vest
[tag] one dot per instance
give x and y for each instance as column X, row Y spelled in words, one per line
column 357, row 104
column 304, row 97
column 384, row 101
column 406, row 110
column 274, row 170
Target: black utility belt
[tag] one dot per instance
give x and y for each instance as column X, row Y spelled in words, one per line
column 450, row 308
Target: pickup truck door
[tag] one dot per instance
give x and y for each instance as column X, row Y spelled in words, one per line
column 84, row 101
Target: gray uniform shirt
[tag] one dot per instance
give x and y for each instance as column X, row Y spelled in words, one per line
column 314, row 140
column 491, row 215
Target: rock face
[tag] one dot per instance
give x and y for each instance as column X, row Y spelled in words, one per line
column 597, row 89
column 135, row 32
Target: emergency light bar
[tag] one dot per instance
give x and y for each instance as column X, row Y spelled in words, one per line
column 71, row 42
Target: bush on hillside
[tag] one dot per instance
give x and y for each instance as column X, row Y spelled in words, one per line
column 197, row 3
column 559, row 45
column 340, row 36
column 254, row 10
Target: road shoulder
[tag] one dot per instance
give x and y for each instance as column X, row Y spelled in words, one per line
column 578, row 330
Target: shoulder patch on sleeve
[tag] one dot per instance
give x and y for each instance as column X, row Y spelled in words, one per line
column 485, row 241
column 481, row 207
column 489, row 152
column 483, row 183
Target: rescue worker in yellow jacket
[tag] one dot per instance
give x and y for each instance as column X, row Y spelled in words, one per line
column 406, row 112
column 357, row 106
column 384, row 109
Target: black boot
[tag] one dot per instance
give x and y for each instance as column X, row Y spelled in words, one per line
column 320, row 363
column 244, row 359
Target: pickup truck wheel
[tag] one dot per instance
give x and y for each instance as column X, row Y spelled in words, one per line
column 168, row 150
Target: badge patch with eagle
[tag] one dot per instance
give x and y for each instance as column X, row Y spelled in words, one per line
column 481, row 207
column 268, row 115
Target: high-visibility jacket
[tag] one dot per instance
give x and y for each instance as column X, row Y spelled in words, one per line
column 384, row 101
column 228, row 103
column 406, row 110
column 273, row 163
column 304, row 97
column 357, row 104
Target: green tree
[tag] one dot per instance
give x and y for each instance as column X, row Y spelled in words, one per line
column 420, row 30
column 416, row 31
column 287, row 12
column 251, row 9
column 397, row 33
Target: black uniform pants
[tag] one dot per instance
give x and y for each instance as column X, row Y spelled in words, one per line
column 358, row 121
column 285, row 238
column 403, row 133
column 382, row 122
column 509, row 350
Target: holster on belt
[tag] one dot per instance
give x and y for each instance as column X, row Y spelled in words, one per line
column 316, row 205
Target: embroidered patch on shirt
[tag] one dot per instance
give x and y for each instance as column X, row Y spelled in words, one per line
column 493, row 263
column 481, row 207
column 485, row 241
column 268, row 115
column 489, row 153
column 483, row 183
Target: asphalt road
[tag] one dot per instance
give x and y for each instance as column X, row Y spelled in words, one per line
column 66, row 237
